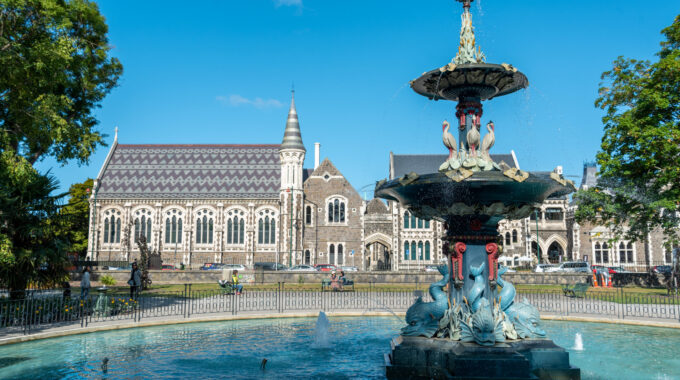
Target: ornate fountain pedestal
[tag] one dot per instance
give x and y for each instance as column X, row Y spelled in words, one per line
column 433, row 358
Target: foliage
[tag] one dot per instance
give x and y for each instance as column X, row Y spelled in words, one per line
column 638, row 187
column 107, row 280
column 30, row 251
column 74, row 218
column 56, row 70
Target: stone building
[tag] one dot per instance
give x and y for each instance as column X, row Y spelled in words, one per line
column 249, row 203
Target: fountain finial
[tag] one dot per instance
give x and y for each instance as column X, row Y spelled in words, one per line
column 467, row 53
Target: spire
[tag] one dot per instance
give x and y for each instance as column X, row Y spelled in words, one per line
column 292, row 138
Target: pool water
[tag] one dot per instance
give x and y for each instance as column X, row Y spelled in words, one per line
column 235, row 350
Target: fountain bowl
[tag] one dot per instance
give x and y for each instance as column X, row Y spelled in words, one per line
column 476, row 80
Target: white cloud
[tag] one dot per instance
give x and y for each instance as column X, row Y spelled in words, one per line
column 238, row 100
column 288, row 3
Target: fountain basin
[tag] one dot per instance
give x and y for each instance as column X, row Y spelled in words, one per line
column 485, row 194
column 478, row 80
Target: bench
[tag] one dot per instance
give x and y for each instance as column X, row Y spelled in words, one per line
column 326, row 284
column 578, row 290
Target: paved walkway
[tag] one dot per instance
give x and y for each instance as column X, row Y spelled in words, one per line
column 221, row 307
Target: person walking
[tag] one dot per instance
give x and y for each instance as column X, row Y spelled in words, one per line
column 84, row 283
column 135, row 281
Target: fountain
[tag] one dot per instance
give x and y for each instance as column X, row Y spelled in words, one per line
column 478, row 329
column 321, row 338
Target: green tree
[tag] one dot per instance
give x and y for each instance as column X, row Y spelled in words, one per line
column 56, row 70
column 73, row 221
column 30, row 250
column 638, row 186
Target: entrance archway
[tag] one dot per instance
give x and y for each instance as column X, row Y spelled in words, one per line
column 555, row 253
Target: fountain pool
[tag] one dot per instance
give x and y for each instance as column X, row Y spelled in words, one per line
column 235, row 350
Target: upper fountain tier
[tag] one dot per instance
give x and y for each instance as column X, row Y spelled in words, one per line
column 468, row 76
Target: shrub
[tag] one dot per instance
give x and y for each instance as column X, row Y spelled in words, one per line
column 107, row 280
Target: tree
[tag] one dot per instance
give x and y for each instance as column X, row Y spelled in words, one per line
column 73, row 224
column 30, row 250
column 56, row 69
column 638, row 187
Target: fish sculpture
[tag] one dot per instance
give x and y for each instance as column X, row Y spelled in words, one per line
column 507, row 294
column 422, row 318
column 481, row 326
column 526, row 319
column 477, row 290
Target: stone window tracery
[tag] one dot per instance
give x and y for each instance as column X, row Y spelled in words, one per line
column 173, row 226
column 204, row 226
column 266, row 227
column 112, row 223
column 143, row 224
column 235, row 227
column 336, row 211
column 626, row 252
column 411, row 222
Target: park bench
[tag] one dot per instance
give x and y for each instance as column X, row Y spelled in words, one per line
column 326, row 284
column 577, row 290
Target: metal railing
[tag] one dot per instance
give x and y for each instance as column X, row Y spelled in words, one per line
column 37, row 313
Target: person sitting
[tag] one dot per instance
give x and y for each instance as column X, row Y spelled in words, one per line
column 344, row 280
column 234, row 282
column 336, row 283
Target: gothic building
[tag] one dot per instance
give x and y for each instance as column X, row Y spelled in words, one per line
column 250, row 203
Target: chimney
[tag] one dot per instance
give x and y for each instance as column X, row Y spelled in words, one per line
column 317, row 147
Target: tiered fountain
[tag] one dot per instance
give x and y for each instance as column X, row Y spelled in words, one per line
column 478, row 329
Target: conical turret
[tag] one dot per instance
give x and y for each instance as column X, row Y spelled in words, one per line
column 292, row 138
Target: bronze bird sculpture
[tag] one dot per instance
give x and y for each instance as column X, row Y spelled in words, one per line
column 488, row 141
column 473, row 137
column 449, row 140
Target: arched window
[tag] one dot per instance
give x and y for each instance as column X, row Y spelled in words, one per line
column 341, row 256
column 406, row 250
column 308, row 215
column 407, row 216
column 514, row 236
column 173, row 226
column 308, row 257
column 143, row 225
column 427, row 250
column 112, row 226
column 420, row 223
column 413, row 250
column 507, row 238
column 235, row 226
column 204, row 226
column 605, row 253
column 331, row 254
column 427, row 224
column 413, row 221
column 266, row 227
column 336, row 211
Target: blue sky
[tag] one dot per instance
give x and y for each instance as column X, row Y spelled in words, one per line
column 220, row 72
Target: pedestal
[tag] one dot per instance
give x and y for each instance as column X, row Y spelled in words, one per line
column 431, row 358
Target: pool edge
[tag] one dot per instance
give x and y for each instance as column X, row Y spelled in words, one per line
column 221, row 318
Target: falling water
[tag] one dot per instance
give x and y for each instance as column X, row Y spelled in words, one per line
column 321, row 331
column 578, row 342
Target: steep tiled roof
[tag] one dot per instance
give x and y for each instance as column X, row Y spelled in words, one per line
column 376, row 206
column 429, row 163
column 191, row 171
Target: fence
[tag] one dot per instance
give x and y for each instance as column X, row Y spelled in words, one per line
column 47, row 310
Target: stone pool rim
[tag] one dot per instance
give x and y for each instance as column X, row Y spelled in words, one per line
column 225, row 318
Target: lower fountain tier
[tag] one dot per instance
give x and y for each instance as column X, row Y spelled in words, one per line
column 432, row 358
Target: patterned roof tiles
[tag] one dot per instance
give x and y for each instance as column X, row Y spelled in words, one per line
column 192, row 171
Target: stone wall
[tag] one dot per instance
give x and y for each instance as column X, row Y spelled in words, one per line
column 200, row 276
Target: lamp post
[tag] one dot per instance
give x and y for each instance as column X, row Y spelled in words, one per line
column 538, row 245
